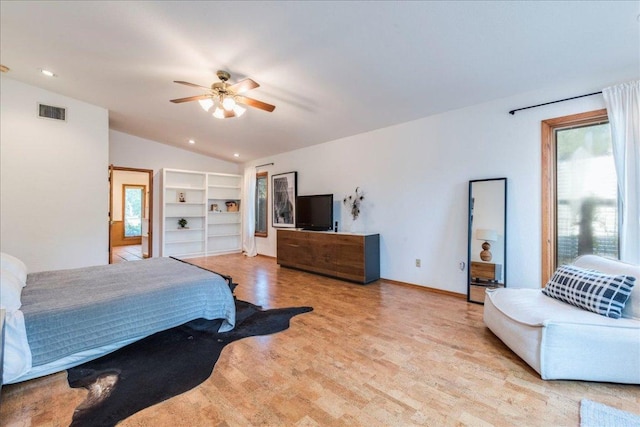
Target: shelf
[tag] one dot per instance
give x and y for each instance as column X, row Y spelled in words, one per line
column 183, row 187
column 234, row 187
column 183, row 229
column 223, row 213
column 180, row 242
column 224, row 235
column 186, row 203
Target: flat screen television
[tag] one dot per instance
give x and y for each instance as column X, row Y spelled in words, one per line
column 315, row 212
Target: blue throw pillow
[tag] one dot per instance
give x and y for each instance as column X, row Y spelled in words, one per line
column 591, row 290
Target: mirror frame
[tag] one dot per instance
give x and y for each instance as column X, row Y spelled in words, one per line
column 503, row 282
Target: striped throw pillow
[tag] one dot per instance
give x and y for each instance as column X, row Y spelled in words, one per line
column 590, row 289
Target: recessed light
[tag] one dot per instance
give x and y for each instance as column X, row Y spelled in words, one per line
column 47, row 73
column 191, row 141
column 236, row 155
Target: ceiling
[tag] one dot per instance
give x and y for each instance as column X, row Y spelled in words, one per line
column 333, row 69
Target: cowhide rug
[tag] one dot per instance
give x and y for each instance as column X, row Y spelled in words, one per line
column 164, row 365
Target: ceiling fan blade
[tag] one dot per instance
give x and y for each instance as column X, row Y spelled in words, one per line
column 189, row 84
column 255, row 103
column 243, row 86
column 190, row 98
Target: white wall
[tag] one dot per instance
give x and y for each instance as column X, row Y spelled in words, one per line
column 53, row 180
column 130, row 151
column 415, row 178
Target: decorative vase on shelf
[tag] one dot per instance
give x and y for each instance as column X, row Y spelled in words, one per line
column 355, row 226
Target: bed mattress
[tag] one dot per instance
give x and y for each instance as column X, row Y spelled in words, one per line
column 71, row 312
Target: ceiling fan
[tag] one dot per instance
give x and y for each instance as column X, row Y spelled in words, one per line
column 228, row 97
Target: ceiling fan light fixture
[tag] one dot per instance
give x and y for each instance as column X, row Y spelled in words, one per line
column 223, row 98
column 228, row 103
column 206, row 104
column 218, row 113
column 239, row 110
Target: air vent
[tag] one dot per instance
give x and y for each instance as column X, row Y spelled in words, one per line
column 51, row 112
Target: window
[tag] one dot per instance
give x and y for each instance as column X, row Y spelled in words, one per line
column 261, row 204
column 579, row 190
column 133, row 207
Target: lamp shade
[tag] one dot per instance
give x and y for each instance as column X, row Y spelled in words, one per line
column 239, row 110
column 218, row 113
column 228, row 103
column 486, row 235
column 206, row 104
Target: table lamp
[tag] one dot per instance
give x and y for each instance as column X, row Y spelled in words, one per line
column 488, row 236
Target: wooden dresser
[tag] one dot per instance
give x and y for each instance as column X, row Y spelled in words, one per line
column 353, row 257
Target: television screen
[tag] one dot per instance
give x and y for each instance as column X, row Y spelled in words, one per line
column 315, row 212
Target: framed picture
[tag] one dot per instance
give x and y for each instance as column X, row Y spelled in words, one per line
column 285, row 190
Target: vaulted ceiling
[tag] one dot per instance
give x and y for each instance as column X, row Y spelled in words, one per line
column 333, row 69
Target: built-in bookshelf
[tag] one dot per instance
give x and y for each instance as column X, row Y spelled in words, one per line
column 224, row 218
column 210, row 204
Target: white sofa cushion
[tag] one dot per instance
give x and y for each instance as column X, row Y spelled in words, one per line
column 601, row 293
column 561, row 341
column 531, row 307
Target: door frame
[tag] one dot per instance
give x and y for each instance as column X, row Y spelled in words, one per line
column 113, row 168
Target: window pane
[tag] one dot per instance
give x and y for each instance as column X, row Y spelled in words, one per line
column 132, row 212
column 261, row 204
column 587, row 196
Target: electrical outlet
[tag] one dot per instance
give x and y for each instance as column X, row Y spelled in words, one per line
column 418, row 262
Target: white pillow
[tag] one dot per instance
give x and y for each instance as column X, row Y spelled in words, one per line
column 15, row 266
column 10, row 291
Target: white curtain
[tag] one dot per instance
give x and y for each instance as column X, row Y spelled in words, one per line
column 249, row 229
column 623, row 109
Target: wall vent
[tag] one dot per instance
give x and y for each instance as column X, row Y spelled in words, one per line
column 51, row 112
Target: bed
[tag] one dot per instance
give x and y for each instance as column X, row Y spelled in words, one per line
column 67, row 317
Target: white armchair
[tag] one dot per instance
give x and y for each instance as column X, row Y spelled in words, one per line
column 561, row 341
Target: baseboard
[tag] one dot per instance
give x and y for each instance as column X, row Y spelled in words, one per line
column 426, row 288
column 396, row 282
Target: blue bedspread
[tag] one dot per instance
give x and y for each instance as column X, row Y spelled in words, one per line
column 69, row 311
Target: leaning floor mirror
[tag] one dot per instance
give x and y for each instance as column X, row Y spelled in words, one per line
column 487, row 245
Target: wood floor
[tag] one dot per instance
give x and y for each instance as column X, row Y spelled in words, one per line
column 377, row 355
